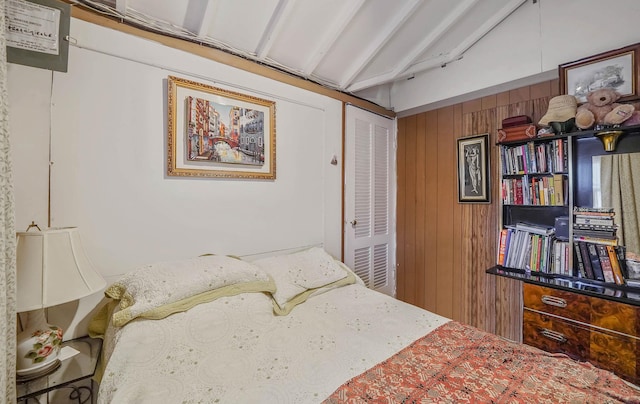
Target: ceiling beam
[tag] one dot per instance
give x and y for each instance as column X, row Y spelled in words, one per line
column 210, row 11
column 471, row 40
column 332, row 35
column 449, row 21
column 121, row 6
column 378, row 43
column 275, row 24
column 440, row 61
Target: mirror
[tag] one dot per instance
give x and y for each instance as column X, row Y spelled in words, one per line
column 616, row 181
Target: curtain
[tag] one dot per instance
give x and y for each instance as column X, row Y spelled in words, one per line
column 621, row 191
column 7, row 238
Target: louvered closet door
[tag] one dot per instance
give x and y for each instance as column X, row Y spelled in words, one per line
column 370, row 198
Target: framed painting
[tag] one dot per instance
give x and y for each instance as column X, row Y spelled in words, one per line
column 473, row 169
column 617, row 69
column 219, row 133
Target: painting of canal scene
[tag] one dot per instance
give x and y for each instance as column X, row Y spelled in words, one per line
column 224, row 133
column 219, row 133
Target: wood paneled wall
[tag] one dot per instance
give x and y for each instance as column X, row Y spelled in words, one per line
column 444, row 247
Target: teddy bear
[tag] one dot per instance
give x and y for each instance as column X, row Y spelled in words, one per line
column 601, row 108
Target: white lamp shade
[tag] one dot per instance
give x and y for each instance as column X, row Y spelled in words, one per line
column 53, row 268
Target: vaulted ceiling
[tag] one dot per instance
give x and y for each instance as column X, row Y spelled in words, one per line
column 355, row 46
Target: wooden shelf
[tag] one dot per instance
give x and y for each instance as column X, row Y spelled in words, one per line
column 618, row 293
column 632, row 129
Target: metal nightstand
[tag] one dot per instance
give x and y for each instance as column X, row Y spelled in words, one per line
column 72, row 370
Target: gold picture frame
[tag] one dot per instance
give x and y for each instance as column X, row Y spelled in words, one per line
column 217, row 133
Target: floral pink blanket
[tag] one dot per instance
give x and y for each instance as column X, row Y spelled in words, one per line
column 461, row 364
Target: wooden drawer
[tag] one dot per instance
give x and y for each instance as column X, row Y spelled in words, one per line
column 607, row 350
column 564, row 304
column 611, row 315
column 607, row 314
column 615, row 352
column 555, row 335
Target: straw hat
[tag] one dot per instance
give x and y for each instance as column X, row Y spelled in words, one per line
column 561, row 108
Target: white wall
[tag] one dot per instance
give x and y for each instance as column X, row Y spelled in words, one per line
column 107, row 121
column 526, row 48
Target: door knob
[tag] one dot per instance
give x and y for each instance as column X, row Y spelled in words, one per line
column 353, row 223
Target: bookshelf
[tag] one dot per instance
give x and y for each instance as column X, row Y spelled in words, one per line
column 558, row 238
column 534, row 194
column 548, row 211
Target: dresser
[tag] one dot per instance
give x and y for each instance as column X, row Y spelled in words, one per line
column 598, row 330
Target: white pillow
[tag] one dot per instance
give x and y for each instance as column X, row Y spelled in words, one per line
column 301, row 274
column 157, row 290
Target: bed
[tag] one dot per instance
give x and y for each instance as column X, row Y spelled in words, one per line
column 303, row 328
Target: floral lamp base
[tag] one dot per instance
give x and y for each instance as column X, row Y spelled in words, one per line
column 38, row 347
column 26, row 376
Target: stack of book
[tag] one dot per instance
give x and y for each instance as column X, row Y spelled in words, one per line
column 595, row 225
column 531, row 158
column 597, row 253
column 601, row 262
column 531, row 247
column 540, row 190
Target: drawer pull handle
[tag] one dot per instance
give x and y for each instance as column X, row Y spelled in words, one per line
column 554, row 301
column 556, row 336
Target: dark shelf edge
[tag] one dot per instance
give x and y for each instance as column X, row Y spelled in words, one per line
column 577, row 134
column 618, row 293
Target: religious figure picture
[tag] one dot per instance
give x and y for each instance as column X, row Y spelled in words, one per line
column 473, row 169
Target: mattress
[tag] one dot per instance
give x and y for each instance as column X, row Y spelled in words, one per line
column 234, row 350
column 304, row 329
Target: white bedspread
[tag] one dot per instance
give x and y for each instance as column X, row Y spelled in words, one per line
column 235, row 350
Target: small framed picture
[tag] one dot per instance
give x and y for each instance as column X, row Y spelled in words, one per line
column 473, row 169
column 617, row 69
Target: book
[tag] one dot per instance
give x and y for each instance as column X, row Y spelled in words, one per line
column 595, row 227
column 515, row 246
column 615, row 265
column 502, row 249
column 544, row 252
column 605, row 263
column 595, row 262
column 535, row 229
column 539, row 258
column 587, row 209
column 581, row 269
column 604, row 215
column 565, row 253
column 599, row 221
column 596, row 240
column 508, row 244
column 557, row 258
column 610, row 234
column 533, row 259
column 620, row 252
column 585, row 259
column 558, row 189
column 518, row 194
column 525, row 252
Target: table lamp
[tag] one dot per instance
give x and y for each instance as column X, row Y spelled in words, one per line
column 52, row 268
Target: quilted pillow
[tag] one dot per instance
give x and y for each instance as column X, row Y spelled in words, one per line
column 299, row 275
column 158, row 290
